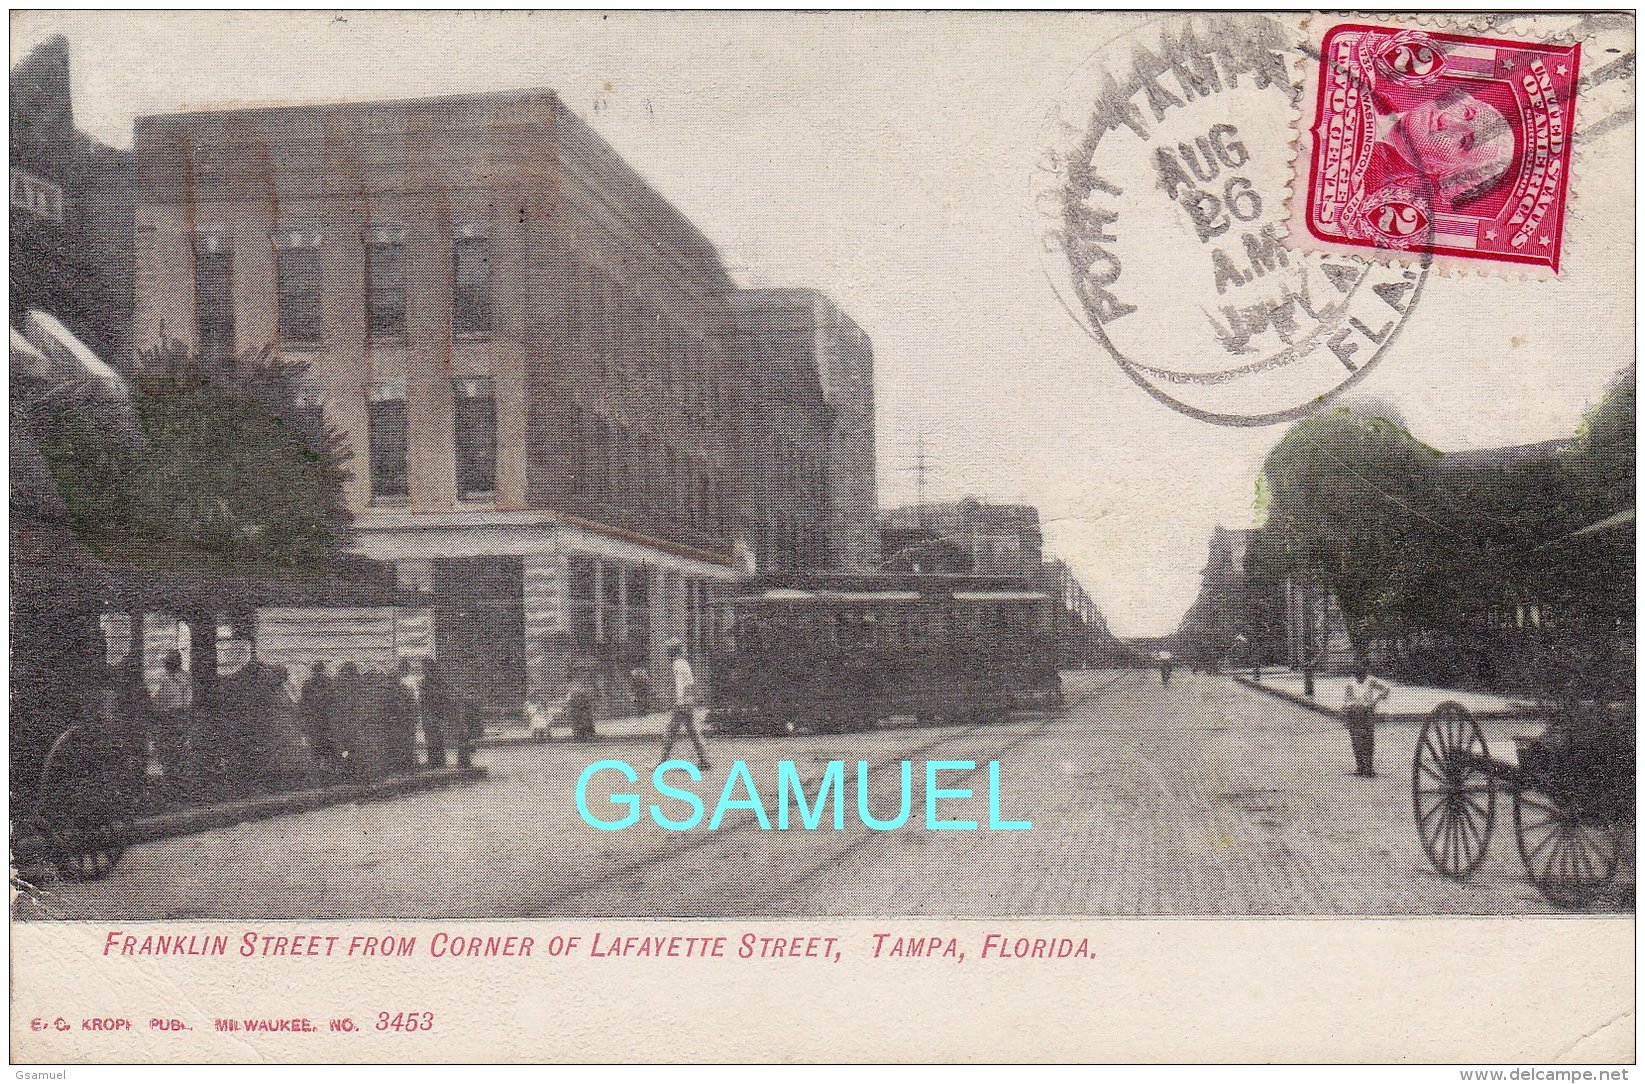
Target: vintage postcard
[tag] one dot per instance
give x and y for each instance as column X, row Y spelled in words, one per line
column 860, row 536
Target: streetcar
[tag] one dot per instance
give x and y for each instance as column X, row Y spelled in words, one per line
column 832, row 651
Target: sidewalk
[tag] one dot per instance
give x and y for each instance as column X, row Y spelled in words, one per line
column 650, row 727
column 1405, row 703
column 182, row 822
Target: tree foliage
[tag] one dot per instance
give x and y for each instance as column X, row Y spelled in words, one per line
column 231, row 473
column 1349, row 494
column 1413, row 543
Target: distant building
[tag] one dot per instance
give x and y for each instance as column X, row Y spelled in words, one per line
column 971, row 536
column 965, row 536
column 784, row 425
column 800, row 338
column 71, row 211
column 1232, row 620
column 536, row 359
column 1083, row 639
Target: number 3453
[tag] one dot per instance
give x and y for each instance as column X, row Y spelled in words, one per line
column 405, row 1021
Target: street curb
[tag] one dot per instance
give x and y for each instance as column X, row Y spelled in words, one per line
column 1299, row 701
column 512, row 741
column 191, row 821
column 1389, row 717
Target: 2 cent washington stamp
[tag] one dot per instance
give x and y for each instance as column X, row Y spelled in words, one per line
column 1429, row 142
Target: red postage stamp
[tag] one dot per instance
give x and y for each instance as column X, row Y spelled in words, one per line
column 1444, row 144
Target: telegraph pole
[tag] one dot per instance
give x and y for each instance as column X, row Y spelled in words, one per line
column 921, row 468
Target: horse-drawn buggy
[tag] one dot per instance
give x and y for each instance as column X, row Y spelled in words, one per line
column 838, row 651
column 1571, row 786
column 75, row 776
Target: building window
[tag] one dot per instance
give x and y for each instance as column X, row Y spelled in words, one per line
column 612, row 628
column 213, row 296
column 582, row 591
column 582, row 438
column 386, row 283
column 671, row 487
column 475, row 436
column 309, row 413
column 637, row 606
column 297, row 276
column 471, row 283
column 600, row 462
column 386, row 436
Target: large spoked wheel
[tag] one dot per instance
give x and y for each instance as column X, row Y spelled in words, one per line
column 88, row 789
column 1452, row 795
column 90, row 850
column 1570, row 857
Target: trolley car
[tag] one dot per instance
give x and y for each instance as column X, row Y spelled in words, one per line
column 839, row 652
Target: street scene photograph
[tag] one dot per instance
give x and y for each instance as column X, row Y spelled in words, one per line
column 640, row 465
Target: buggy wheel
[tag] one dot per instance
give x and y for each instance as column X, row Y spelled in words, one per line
column 1568, row 856
column 1452, row 796
column 89, row 787
column 90, row 852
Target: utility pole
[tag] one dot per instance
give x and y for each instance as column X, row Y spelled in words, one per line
column 920, row 470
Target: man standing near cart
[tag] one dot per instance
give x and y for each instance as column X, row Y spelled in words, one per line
column 1359, row 706
column 685, row 707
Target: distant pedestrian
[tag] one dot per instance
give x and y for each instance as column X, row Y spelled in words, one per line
column 1165, row 671
column 640, row 681
column 539, row 718
column 577, row 710
column 174, row 717
column 237, row 756
column 412, row 716
column 465, row 715
column 684, row 716
column 382, row 723
column 317, row 706
column 437, row 705
column 1359, row 704
column 283, row 746
column 348, row 725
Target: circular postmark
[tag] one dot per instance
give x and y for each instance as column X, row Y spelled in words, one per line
column 1163, row 211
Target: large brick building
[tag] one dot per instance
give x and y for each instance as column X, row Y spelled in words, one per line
column 814, row 503
column 535, row 357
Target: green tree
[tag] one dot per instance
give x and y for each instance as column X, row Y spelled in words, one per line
column 1601, row 462
column 1350, row 499
column 1411, row 543
column 230, row 475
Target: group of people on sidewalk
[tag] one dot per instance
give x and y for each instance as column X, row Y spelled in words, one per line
column 576, row 709
column 258, row 729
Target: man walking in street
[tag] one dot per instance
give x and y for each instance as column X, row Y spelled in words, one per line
column 1359, row 704
column 685, row 707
